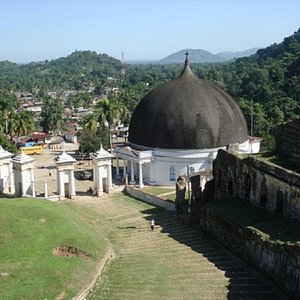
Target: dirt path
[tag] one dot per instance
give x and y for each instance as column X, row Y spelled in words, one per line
column 109, row 255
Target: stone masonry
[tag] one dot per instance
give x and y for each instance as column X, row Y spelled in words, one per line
column 262, row 184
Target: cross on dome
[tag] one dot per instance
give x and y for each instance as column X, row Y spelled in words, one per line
column 186, row 63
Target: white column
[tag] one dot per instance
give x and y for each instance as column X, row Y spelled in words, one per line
column 72, row 183
column 23, row 190
column 61, row 185
column 100, row 182
column 117, row 167
column 32, row 182
column 132, row 173
column 10, row 178
column 45, row 189
column 5, row 166
column 152, row 173
column 124, row 168
column 109, row 177
column 95, row 176
column 141, row 184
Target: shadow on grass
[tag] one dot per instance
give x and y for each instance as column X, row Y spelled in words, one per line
column 244, row 282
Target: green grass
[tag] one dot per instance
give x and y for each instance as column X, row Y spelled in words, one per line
column 159, row 191
column 30, row 230
column 156, row 190
column 145, row 266
column 275, row 227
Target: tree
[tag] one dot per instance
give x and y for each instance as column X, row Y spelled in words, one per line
column 52, row 111
column 109, row 111
column 21, row 123
column 7, row 144
column 90, row 123
column 89, row 142
column 8, row 105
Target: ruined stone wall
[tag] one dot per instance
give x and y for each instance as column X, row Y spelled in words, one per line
column 287, row 139
column 279, row 261
column 263, row 185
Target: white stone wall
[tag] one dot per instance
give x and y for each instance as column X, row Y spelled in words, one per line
column 23, row 182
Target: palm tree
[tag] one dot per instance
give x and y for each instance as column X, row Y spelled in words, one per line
column 90, row 123
column 21, row 123
column 108, row 111
column 8, row 104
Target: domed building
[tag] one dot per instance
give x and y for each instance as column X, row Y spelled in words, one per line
column 178, row 128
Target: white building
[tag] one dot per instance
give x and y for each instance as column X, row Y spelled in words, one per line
column 102, row 171
column 6, row 172
column 23, row 166
column 178, row 128
column 65, row 175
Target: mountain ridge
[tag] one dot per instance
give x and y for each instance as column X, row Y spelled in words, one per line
column 204, row 56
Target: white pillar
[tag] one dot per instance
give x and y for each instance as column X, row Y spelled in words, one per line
column 45, row 189
column 109, row 177
column 10, row 178
column 72, row 183
column 124, row 168
column 32, row 182
column 100, row 183
column 132, row 173
column 23, row 190
column 152, row 173
column 61, row 185
column 95, row 177
column 141, row 184
column 117, row 167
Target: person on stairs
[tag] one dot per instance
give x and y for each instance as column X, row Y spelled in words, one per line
column 152, row 223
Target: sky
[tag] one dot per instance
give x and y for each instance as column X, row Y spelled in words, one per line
column 35, row 30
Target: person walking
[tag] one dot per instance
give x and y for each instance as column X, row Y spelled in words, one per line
column 152, row 223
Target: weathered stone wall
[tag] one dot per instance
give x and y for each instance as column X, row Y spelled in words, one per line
column 263, row 185
column 287, row 139
column 279, row 261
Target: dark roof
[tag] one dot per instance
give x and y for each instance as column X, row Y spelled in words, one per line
column 187, row 113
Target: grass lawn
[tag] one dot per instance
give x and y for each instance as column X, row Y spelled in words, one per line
column 159, row 191
column 30, row 230
column 276, row 227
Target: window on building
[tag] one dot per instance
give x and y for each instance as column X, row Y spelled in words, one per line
column 172, row 173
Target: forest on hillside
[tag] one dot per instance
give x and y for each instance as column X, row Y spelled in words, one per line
column 266, row 85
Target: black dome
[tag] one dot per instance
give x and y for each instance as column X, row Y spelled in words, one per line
column 187, row 113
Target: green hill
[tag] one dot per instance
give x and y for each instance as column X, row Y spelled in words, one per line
column 266, row 84
column 79, row 69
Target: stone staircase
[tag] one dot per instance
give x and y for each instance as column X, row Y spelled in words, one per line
column 173, row 262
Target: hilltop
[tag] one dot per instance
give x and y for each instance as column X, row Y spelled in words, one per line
column 203, row 56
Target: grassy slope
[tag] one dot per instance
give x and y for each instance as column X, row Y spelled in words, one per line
column 173, row 262
column 30, row 229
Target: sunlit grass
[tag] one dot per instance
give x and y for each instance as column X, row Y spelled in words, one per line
column 30, row 230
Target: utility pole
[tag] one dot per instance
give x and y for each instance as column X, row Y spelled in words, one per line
column 122, row 72
column 251, row 127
